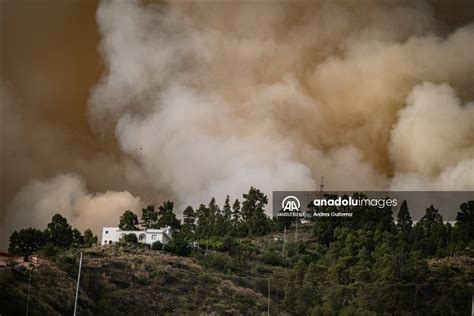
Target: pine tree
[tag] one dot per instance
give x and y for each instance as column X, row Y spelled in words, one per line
column 89, row 238
column 203, row 221
column 189, row 218
column 227, row 210
column 216, row 220
column 236, row 217
column 60, row 232
column 465, row 221
column 149, row 216
column 404, row 221
column 77, row 238
column 166, row 217
column 430, row 232
column 253, row 212
column 128, row 221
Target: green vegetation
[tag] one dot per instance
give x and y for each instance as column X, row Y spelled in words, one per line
column 131, row 238
column 128, row 221
column 210, row 221
column 26, row 241
column 58, row 235
column 89, row 238
column 156, row 246
column 221, row 261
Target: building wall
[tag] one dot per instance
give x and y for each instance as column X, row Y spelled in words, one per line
column 111, row 235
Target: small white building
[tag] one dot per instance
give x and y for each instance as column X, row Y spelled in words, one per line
column 148, row 236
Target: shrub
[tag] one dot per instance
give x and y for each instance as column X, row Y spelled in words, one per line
column 207, row 278
column 272, row 258
column 171, row 247
column 157, row 246
column 220, row 262
column 292, row 248
column 229, row 244
column 143, row 279
column 131, row 238
column 50, row 250
column 244, row 297
column 212, row 244
column 178, row 246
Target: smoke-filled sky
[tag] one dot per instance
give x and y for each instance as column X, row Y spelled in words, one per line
column 113, row 105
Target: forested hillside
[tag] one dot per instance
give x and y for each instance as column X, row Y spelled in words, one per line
column 230, row 260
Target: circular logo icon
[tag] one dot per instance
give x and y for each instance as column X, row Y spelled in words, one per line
column 290, row 204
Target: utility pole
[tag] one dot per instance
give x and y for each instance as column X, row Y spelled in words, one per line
column 77, row 286
column 296, row 227
column 321, row 188
column 29, row 290
column 416, row 293
column 268, row 304
column 472, row 306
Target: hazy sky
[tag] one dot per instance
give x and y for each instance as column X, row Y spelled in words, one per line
column 49, row 62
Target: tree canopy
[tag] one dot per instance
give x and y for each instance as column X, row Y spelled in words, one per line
column 128, row 221
column 60, row 232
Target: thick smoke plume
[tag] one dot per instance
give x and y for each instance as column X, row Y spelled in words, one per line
column 213, row 98
column 207, row 99
column 67, row 194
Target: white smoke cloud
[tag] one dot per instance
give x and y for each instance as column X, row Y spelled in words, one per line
column 38, row 201
column 434, row 131
column 209, row 104
column 432, row 144
column 458, row 177
column 197, row 145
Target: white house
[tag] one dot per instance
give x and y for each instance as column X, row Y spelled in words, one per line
column 148, row 236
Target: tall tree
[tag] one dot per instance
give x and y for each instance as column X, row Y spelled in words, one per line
column 166, row 217
column 203, row 221
column 189, row 221
column 253, row 212
column 465, row 221
column 128, row 221
column 77, row 237
column 227, row 210
column 430, row 233
column 60, row 232
column 236, row 217
column 227, row 217
column 216, row 219
column 149, row 216
column 404, row 221
column 386, row 222
column 89, row 238
column 431, row 220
